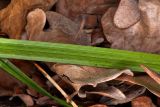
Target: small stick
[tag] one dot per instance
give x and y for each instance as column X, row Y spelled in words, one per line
column 56, row 85
column 152, row 74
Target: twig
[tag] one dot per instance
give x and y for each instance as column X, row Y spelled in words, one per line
column 56, row 85
column 152, row 74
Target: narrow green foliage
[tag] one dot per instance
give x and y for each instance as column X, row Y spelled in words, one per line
column 75, row 54
column 17, row 73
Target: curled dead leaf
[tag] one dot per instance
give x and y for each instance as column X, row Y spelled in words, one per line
column 110, row 91
column 79, row 76
column 61, row 29
column 131, row 93
column 144, row 81
column 88, row 75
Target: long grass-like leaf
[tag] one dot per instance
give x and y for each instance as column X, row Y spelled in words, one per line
column 76, row 54
column 17, row 73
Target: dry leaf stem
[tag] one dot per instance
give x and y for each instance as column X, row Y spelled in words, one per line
column 56, row 85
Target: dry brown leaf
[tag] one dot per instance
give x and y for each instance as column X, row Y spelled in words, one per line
column 110, row 91
column 79, row 76
column 127, row 13
column 131, row 93
column 144, row 81
column 61, row 29
column 13, row 17
column 88, row 75
column 143, row 35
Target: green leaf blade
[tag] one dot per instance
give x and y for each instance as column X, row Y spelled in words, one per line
column 75, row 54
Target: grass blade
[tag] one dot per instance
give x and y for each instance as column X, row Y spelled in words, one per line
column 14, row 71
column 75, row 54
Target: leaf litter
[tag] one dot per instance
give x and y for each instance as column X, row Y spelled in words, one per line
column 122, row 24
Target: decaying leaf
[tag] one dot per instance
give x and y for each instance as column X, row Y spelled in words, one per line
column 142, row 35
column 13, row 17
column 110, row 91
column 79, row 76
column 88, row 75
column 144, row 81
column 131, row 93
column 61, row 29
column 127, row 13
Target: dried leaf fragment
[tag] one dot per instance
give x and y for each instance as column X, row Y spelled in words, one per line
column 61, row 29
column 88, row 75
column 144, row 81
column 131, row 93
column 111, row 92
column 127, row 13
